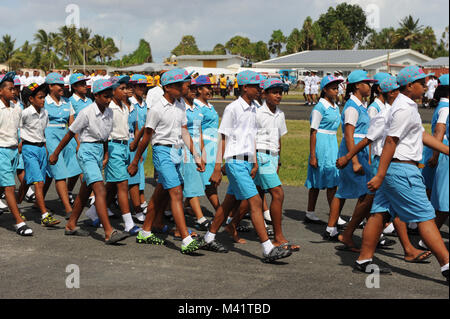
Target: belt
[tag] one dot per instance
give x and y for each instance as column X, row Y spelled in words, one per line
column 395, row 160
column 40, row 144
column 359, row 135
column 268, row 152
column 94, row 142
column 123, row 142
column 319, row 130
column 56, row 125
column 9, row 147
column 165, row 145
column 241, row 157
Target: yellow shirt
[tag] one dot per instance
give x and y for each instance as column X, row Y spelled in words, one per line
column 150, row 80
column 213, row 79
column 156, row 80
column 236, row 86
column 223, row 83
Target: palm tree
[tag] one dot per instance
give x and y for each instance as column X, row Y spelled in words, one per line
column 43, row 41
column 7, row 49
column 84, row 35
column 276, row 42
column 98, row 47
column 70, row 42
column 408, row 33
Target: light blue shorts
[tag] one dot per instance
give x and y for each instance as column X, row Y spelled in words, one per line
column 90, row 159
column 118, row 161
column 21, row 164
column 440, row 192
column 404, row 189
column 193, row 181
column 267, row 176
column 35, row 163
column 141, row 169
column 167, row 163
column 9, row 158
column 241, row 184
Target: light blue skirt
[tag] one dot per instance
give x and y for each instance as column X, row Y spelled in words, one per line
column 440, row 193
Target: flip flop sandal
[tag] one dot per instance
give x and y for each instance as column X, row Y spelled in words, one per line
column 203, row 226
column 419, row 260
column 270, row 232
column 115, row 237
column 290, row 247
column 76, row 232
column 22, row 231
column 347, row 248
column 387, row 243
column 30, row 199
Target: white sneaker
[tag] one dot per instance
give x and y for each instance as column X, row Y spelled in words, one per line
column 312, row 216
column 140, row 217
column 267, row 216
column 341, row 221
column 3, row 206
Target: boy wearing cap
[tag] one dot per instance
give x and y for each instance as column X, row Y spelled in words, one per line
column 238, row 135
column 10, row 116
column 307, row 89
column 315, row 82
column 93, row 125
column 166, row 126
column 398, row 170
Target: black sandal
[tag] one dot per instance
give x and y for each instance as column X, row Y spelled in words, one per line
column 22, row 231
column 243, row 229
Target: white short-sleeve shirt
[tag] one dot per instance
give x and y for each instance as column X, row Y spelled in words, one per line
column 153, row 96
column 316, row 116
column 351, row 115
column 378, row 129
column 406, row 124
column 270, row 128
column 9, row 124
column 239, row 126
column 33, row 124
column 92, row 125
column 373, row 111
column 167, row 119
column 443, row 112
column 120, row 130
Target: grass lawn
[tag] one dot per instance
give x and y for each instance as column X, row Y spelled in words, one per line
column 294, row 153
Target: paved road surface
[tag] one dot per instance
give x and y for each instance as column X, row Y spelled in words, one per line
column 36, row 267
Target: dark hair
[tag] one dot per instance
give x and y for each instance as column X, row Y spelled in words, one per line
column 26, row 97
column 374, row 90
column 441, row 91
column 4, row 83
column 351, row 88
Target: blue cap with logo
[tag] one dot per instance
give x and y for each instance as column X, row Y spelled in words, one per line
column 101, row 85
column 443, row 79
column 175, row 76
column 248, row 78
column 329, row 79
column 77, row 77
column 202, row 80
column 380, row 76
column 263, row 80
column 54, row 78
column 273, row 83
column 7, row 77
column 359, row 76
column 411, row 74
column 138, row 79
column 388, row 84
column 118, row 80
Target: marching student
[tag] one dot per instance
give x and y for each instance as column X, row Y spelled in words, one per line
column 32, row 128
column 377, row 102
column 10, row 116
column 379, row 210
column 60, row 114
column 307, row 88
column 398, row 176
column 352, row 182
column 322, row 171
column 93, row 126
column 193, row 181
column 315, row 82
column 237, row 145
column 166, row 127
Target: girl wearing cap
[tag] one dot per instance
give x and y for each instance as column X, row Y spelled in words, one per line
column 166, row 133
column 93, row 125
column 398, row 172
column 352, row 179
column 60, row 113
column 33, row 123
column 379, row 209
column 10, row 116
column 377, row 102
column 322, row 172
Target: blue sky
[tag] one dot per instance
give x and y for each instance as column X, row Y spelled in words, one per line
column 210, row 21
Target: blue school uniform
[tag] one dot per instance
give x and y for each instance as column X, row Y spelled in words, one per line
column 429, row 172
column 440, row 191
column 351, row 185
column 141, row 119
column 210, row 125
column 193, row 181
column 78, row 103
column 67, row 165
column 132, row 121
column 326, row 175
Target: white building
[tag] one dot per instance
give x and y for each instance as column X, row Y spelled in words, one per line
column 327, row 61
column 208, row 61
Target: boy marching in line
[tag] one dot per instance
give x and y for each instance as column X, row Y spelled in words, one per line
column 93, row 126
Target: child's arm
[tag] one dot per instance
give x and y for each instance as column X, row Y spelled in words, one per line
column 439, row 132
column 434, row 143
column 65, row 140
column 386, row 157
column 137, row 138
column 132, row 168
column 343, row 161
column 350, row 143
column 216, row 176
column 71, row 119
column 279, row 156
column 190, row 144
column 105, row 154
column 312, row 148
column 255, row 165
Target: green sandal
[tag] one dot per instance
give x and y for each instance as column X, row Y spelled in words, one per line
column 49, row 220
column 193, row 246
column 152, row 239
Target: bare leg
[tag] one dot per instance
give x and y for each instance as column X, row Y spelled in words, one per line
column 211, row 193
column 410, row 251
column 432, row 238
column 313, row 193
column 12, row 203
column 335, row 210
column 440, row 219
column 371, row 235
column 61, row 189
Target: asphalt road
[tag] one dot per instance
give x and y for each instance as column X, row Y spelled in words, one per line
column 35, row 267
column 297, row 110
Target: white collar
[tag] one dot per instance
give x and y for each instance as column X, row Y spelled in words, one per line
column 378, row 101
column 407, row 99
column 327, row 104
column 77, row 97
column 357, row 101
column 2, row 105
column 134, row 100
column 244, row 104
column 113, row 105
column 189, row 107
column 265, row 108
column 201, row 104
column 50, row 100
column 444, row 99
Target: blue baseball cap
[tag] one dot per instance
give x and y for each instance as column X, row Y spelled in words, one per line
column 359, row 76
column 17, row 81
column 248, row 78
column 101, row 85
column 329, row 79
column 138, row 79
column 380, row 76
column 175, row 76
column 263, row 80
column 388, row 84
column 77, row 77
column 54, row 78
column 202, row 80
column 273, row 83
column 118, row 80
column 411, row 74
column 443, row 79
column 7, row 77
